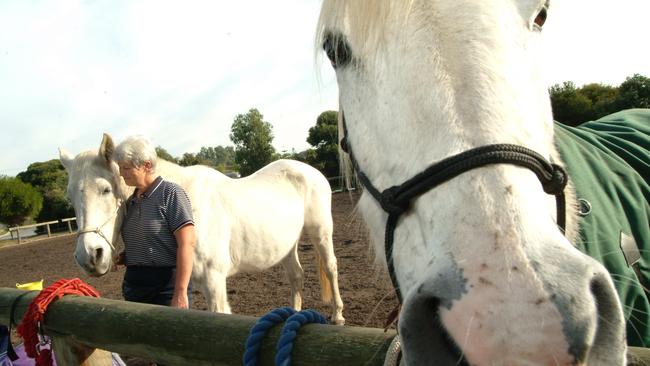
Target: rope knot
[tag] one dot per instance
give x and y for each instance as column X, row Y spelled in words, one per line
column 555, row 185
column 388, row 202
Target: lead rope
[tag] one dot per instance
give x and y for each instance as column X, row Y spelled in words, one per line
column 394, row 352
column 37, row 346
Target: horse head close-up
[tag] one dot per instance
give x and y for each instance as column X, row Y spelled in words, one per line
column 446, row 117
column 96, row 192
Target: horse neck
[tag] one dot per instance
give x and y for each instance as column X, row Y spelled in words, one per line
column 171, row 172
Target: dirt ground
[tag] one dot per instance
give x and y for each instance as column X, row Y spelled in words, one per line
column 366, row 291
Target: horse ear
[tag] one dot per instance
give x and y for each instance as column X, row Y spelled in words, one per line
column 66, row 158
column 107, row 148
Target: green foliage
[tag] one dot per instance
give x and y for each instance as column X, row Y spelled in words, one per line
column 573, row 105
column 324, row 155
column 634, row 92
column 188, row 159
column 50, row 179
column 293, row 155
column 602, row 98
column 219, row 157
column 19, row 201
column 165, row 155
column 252, row 137
column 569, row 105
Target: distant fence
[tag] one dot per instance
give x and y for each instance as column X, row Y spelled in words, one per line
column 47, row 224
column 339, row 184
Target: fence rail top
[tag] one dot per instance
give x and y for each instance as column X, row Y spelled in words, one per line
column 15, row 228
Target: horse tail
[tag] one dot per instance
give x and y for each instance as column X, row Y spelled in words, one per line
column 325, row 284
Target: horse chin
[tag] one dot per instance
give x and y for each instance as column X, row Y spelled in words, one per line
column 95, row 270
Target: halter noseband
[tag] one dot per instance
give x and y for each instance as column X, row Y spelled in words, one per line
column 97, row 230
column 396, row 200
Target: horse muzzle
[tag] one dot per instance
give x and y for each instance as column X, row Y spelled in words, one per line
column 443, row 322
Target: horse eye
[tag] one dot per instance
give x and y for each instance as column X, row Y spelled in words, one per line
column 337, row 50
column 107, row 190
column 540, row 19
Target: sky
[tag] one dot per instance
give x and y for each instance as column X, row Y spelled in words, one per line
column 179, row 72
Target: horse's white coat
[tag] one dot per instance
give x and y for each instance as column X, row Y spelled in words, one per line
column 247, row 224
column 428, row 79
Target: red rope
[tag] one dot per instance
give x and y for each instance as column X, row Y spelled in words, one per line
column 29, row 327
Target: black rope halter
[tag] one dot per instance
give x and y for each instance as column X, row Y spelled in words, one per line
column 397, row 199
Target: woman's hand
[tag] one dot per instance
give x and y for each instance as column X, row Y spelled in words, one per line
column 179, row 300
column 118, row 260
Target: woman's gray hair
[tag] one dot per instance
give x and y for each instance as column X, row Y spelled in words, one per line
column 136, row 150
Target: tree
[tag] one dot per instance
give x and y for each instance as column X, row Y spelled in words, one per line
column 219, row 157
column 163, row 154
column 569, row 105
column 324, row 139
column 603, row 98
column 50, row 179
column 188, row 159
column 293, row 155
column 634, row 92
column 252, row 137
column 19, row 201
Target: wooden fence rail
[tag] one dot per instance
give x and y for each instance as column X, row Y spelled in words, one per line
column 46, row 224
column 192, row 337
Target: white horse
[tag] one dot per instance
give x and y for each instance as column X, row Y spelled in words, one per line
column 483, row 270
column 247, row 224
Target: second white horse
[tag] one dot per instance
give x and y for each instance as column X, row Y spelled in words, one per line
column 247, row 224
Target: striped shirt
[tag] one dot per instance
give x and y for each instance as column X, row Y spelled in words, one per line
column 151, row 221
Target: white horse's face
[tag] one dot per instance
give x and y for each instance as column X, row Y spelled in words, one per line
column 95, row 191
column 482, row 266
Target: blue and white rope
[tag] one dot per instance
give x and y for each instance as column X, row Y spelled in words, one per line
column 290, row 331
column 293, row 321
column 259, row 330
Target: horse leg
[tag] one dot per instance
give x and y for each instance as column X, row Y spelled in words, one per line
column 295, row 274
column 215, row 292
column 329, row 275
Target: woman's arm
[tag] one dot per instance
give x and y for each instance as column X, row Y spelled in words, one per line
column 185, row 239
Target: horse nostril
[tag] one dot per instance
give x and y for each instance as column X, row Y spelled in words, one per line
column 610, row 328
column 422, row 335
column 98, row 254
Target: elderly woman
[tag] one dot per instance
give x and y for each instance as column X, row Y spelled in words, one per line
column 158, row 230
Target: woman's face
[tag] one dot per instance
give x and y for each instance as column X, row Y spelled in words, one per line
column 134, row 176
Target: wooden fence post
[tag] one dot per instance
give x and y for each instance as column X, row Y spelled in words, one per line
column 49, row 233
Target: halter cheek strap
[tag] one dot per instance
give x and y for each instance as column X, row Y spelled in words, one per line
column 97, row 230
column 396, row 200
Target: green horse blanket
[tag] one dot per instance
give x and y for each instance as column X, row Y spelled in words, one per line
column 608, row 161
